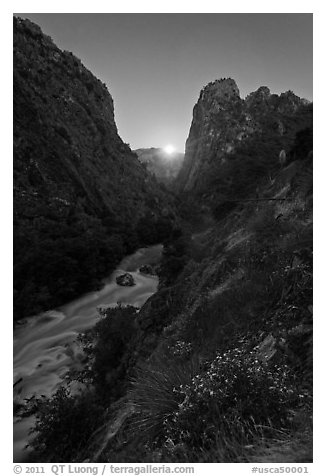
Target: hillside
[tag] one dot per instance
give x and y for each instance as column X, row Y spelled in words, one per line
column 164, row 166
column 82, row 200
column 217, row 365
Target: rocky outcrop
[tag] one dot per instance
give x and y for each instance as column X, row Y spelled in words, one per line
column 147, row 269
column 125, row 279
column 66, row 143
column 209, row 132
column 223, row 123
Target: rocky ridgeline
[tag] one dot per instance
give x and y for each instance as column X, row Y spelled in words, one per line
column 66, row 142
column 222, row 122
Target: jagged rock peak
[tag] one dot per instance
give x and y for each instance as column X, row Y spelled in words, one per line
column 291, row 97
column 263, row 92
column 223, row 121
column 263, row 98
column 224, row 88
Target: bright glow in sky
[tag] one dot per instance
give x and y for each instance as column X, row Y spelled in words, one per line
column 169, row 149
column 156, row 64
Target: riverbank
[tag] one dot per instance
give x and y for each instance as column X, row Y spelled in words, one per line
column 44, row 345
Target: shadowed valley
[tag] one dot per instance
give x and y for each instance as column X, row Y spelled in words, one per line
column 215, row 363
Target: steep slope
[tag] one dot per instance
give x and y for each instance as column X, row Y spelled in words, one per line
column 217, row 365
column 231, row 138
column 81, row 198
column 164, row 166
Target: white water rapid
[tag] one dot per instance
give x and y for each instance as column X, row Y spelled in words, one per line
column 44, row 348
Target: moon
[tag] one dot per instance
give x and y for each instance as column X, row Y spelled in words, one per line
column 169, row 149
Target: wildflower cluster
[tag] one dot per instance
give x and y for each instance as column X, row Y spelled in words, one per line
column 234, row 387
column 181, row 348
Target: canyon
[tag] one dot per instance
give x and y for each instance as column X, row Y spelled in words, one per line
column 210, row 359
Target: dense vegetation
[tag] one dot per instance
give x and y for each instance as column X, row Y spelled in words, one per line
column 257, row 159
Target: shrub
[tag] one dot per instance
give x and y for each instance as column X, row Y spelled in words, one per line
column 236, row 394
column 110, row 340
column 154, row 397
column 64, row 425
column 183, row 411
column 303, row 144
column 89, row 86
column 175, row 256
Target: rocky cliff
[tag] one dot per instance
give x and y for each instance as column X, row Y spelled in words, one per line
column 224, row 126
column 164, row 166
column 79, row 191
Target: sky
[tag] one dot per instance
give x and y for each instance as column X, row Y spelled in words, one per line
column 155, row 65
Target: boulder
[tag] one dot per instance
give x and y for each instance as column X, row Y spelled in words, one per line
column 147, row 269
column 125, row 279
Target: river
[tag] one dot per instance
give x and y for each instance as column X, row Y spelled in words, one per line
column 44, row 348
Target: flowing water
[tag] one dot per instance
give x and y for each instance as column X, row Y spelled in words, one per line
column 44, row 345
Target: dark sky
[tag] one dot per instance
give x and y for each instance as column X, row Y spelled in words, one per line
column 156, row 64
